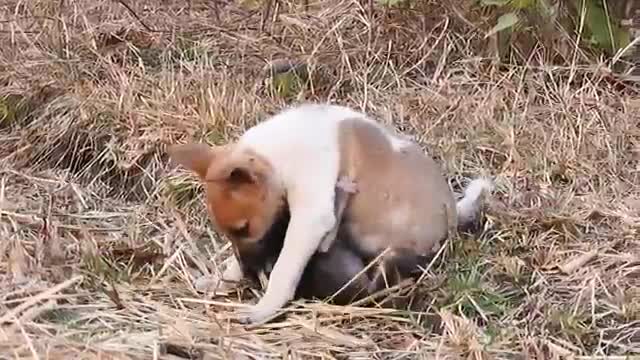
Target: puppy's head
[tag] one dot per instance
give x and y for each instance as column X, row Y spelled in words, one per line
column 243, row 198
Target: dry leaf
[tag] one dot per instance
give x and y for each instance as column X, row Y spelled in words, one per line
column 334, row 336
column 577, row 262
column 559, row 350
column 18, row 261
column 633, row 204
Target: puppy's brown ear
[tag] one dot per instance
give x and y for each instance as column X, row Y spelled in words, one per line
column 193, row 156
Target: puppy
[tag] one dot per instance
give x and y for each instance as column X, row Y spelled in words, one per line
column 291, row 163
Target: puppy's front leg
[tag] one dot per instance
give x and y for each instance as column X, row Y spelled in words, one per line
column 309, row 223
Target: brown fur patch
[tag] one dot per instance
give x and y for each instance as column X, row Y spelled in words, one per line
column 403, row 201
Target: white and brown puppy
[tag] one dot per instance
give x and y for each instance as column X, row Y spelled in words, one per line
column 293, row 161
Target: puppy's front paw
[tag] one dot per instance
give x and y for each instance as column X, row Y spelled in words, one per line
column 256, row 314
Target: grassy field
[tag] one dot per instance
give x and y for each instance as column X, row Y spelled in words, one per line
column 101, row 238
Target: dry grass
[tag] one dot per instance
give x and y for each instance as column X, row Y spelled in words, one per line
column 101, row 239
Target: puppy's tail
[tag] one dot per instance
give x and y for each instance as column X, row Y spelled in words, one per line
column 470, row 205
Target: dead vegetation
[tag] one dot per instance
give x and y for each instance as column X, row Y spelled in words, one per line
column 100, row 239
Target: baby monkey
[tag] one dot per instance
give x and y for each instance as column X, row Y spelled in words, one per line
column 334, row 264
column 337, row 262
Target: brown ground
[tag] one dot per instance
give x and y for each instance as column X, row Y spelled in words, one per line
column 100, row 238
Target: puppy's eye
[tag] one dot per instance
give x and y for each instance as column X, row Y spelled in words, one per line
column 240, row 232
